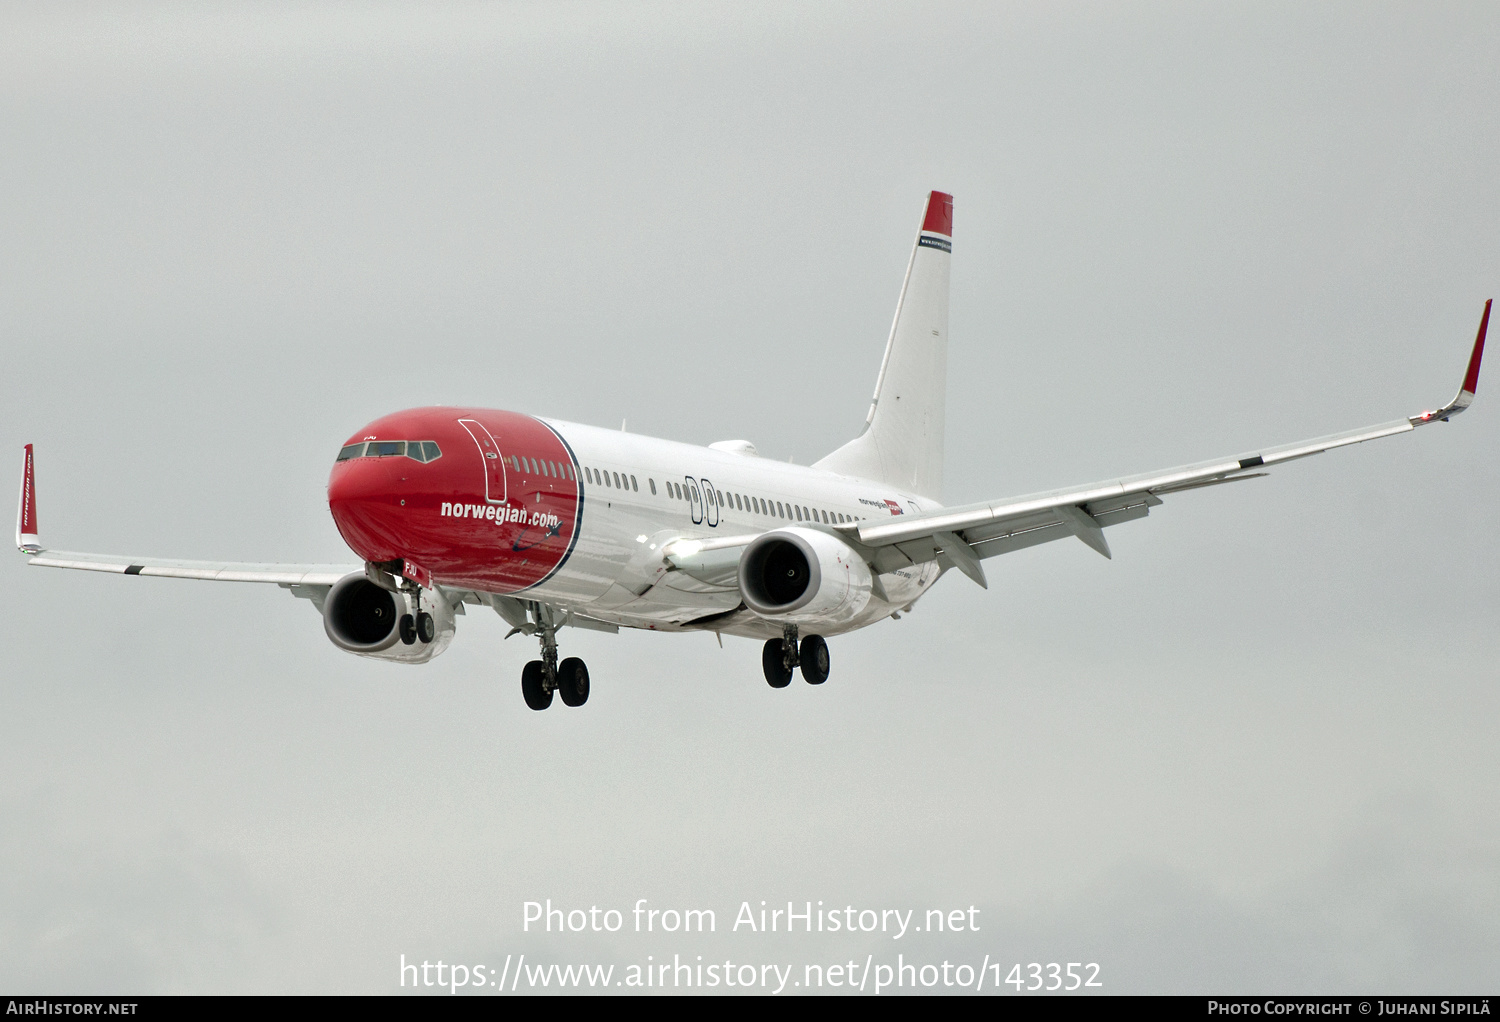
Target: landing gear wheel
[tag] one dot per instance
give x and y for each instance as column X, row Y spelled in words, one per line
column 426, row 629
column 573, row 682
column 773, row 662
column 407, row 629
column 814, row 658
column 537, row 696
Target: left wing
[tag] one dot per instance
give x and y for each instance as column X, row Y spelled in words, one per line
column 961, row 537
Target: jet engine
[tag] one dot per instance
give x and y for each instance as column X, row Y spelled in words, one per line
column 361, row 617
column 804, row 576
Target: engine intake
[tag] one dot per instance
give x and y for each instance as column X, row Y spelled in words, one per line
column 360, row 616
column 363, row 618
column 804, row 575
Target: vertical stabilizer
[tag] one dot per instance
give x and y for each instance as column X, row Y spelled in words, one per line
column 902, row 443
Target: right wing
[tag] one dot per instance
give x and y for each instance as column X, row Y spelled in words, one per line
column 961, row 537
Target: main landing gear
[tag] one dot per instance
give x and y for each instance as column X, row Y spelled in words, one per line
column 780, row 656
column 541, row 678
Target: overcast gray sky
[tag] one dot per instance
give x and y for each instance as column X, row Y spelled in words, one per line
column 1254, row 752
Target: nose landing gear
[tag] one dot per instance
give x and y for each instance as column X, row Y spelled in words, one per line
column 419, row 624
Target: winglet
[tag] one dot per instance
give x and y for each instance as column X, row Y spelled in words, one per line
column 1466, row 392
column 26, row 535
column 1471, row 378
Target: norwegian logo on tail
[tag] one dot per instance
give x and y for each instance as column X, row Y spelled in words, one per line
column 26, row 531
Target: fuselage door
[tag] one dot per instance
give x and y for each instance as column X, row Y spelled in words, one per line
column 695, row 499
column 494, row 464
column 710, row 504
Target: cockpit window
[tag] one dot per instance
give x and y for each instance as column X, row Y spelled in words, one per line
column 419, row 450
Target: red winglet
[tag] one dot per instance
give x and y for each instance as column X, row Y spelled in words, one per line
column 939, row 218
column 26, row 534
column 1471, row 378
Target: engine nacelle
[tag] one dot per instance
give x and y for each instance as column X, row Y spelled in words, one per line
column 804, row 576
column 361, row 617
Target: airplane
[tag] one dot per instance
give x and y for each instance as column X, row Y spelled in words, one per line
column 554, row 524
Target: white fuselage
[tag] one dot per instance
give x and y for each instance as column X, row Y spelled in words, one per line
column 615, row 573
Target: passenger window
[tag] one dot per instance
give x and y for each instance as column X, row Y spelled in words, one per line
column 652, row 483
column 634, row 486
column 352, row 451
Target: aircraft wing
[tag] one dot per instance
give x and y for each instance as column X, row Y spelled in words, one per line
column 310, row 581
column 214, row 571
column 961, row 537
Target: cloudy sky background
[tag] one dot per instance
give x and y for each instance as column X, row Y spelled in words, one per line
column 1255, row 752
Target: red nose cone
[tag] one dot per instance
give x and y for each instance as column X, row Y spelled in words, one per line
column 363, row 498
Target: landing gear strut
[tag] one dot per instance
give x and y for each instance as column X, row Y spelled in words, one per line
column 779, row 657
column 541, row 678
column 418, row 624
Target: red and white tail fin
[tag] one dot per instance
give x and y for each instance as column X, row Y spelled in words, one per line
column 26, row 535
column 902, row 442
